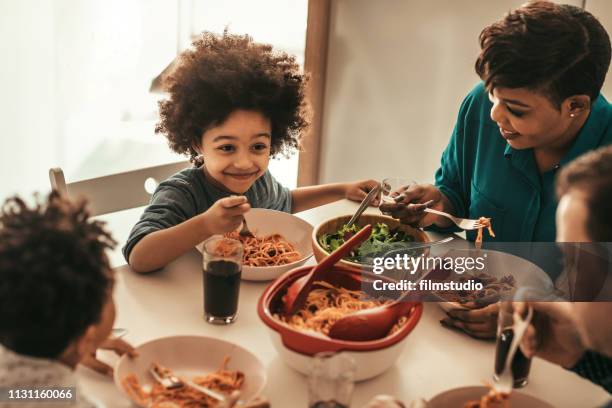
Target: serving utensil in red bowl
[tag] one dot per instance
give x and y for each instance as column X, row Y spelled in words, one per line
column 297, row 293
column 372, row 324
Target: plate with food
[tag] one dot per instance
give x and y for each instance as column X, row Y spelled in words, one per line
column 501, row 275
column 281, row 242
column 388, row 234
column 219, row 365
column 484, row 397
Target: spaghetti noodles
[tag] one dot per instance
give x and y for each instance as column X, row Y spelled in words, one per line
column 493, row 290
column 266, row 251
column 327, row 304
column 486, row 223
column 222, row 380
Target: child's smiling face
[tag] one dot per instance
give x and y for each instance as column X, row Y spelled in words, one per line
column 237, row 151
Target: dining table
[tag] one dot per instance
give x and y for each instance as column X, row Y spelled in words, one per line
column 169, row 302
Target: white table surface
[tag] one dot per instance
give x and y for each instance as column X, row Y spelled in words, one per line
column 169, row 302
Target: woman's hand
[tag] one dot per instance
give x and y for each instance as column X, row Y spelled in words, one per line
column 225, row 215
column 358, row 190
column 552, row 334
column 478, row 323
column 119, row 346
column 411, row 201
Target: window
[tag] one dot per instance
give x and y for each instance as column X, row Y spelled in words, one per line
column 81, row 72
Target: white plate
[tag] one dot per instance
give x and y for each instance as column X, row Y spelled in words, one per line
column 457, row 397
column 191, row 356
column 499, row 264
column 263, row 222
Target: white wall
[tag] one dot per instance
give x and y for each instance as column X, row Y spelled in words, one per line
column 397, row 73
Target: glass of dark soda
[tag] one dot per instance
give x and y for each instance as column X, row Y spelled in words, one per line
column 222, row 267
column 520, row 364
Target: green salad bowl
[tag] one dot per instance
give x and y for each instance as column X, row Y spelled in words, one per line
column 332, row 225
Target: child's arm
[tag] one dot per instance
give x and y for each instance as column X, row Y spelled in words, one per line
column 159, row 248
column 305, row 198
column 119, row 346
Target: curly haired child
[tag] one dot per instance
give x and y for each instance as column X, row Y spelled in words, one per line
column 56, row 303
column 233, row 104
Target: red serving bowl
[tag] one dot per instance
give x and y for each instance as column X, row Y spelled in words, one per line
column 296, row 347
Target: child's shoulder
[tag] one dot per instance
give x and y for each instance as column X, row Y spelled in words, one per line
column 186, row 185
column 189, row 178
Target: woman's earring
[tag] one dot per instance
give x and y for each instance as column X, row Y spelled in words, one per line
column 572, row 115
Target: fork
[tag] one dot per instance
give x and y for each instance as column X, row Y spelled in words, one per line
column 244, row 231
column 463, row 223
column 170, row 382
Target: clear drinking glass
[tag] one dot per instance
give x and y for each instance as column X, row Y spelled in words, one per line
column 222, row 267
column 520, row 364
column 331, row 380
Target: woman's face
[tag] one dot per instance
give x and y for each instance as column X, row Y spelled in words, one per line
column 237, row 152
column 527, row 119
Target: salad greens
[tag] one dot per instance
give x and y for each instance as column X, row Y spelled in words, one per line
column 382, row 240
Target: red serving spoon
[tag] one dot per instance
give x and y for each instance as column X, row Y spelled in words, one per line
column 372, row 324
column 297, row 293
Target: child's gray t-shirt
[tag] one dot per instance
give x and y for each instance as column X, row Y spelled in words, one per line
column 188, row 193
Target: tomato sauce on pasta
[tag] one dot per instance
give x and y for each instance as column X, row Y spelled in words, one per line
column 266, row 251
column 222, row 380
column 327, row 304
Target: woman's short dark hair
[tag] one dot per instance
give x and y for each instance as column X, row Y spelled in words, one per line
column 54, row 274
column 592, row 174
column 223, row 73
column 556, row 50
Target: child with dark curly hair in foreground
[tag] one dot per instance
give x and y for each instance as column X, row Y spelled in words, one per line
column 56, row 302
column 233, row 104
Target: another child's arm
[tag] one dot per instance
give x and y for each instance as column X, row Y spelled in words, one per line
column 305, row 198
column 119, row 346
column 159, row 248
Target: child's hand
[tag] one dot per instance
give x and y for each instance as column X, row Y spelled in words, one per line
column 226, row 214
column 119, row 346
column 358, row 190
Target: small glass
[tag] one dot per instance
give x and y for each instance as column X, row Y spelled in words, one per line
column 520, row 364
column 222, row 267
column 394, row 186
column 331, row 380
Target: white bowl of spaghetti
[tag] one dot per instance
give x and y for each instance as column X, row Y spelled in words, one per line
column 216, row 364
column 282, row 242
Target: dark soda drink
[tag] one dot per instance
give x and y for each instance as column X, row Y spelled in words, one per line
column 520, row 364
column 221, row 289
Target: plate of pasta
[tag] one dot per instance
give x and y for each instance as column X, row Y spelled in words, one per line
column 484, row 397
column 281, row 242
column 501, row 275
column 216, row 364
